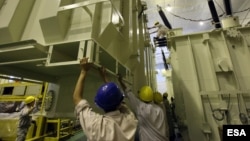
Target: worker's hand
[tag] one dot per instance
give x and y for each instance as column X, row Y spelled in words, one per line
column 85, row 65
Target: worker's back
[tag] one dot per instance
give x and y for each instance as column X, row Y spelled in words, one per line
column 152, row 122
column 151, row 118
column 118, row 125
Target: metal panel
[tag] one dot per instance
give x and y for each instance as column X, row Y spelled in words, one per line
column 33, row 90
column 15, row 15
column 19, row 90
column 56, row 25
column 211, row 65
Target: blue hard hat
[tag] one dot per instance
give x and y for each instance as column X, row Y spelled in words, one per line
column 108, row 96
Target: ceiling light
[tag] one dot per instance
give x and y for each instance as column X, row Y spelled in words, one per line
column 169, row 8
column 201, row 23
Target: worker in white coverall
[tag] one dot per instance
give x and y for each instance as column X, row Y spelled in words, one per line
column 161, row 30
column 25, row 118
column 117, row 124
column 169, row 117
column 151, row 117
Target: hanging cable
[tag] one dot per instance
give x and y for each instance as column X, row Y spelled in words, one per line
column 227, row 111
column 228, row 101
column 208, row 19
column 242, row 116
column 247, row 109
column 245, row 16
column 217, row 113
column 220, row 7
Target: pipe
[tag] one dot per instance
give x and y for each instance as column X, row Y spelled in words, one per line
column 214, row 14
column 228, row 8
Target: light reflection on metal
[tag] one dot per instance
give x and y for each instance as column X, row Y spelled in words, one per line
column 15, row 48
column 86, row 3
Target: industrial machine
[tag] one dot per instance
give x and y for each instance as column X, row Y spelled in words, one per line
column 211, row 77
column 43, row 127
column 44, row 40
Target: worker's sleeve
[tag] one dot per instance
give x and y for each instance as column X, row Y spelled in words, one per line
column 134, row 101
column 124, row 109
column 89, row 119
column 80, row 106
column 24, row 112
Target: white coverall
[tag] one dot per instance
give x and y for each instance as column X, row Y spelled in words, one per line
column 24, row 123
column 161, row 31
column 151, row 117
column 118, row 125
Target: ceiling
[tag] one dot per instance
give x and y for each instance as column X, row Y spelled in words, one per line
column 186, row 14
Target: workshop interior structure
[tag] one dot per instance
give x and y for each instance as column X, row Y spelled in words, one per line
column 42, row 41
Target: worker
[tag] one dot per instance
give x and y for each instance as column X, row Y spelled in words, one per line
column 172, row 106
column 117, row 124
column 25, row 118
column 161, row 30
column 169, row 117
column 158, row 99
column 151, row 117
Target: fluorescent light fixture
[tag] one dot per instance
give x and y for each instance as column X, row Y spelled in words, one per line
column 15, row 48
column 169, row 8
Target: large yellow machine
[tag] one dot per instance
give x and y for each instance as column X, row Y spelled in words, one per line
column 43, row 127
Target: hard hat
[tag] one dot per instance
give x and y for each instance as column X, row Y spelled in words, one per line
column 156, row 23
column 146, row 94
column 158, row 97
column 108, row 96
column 165, row 95
column 29, row 99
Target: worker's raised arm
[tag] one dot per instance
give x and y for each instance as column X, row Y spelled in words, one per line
column 85, row 66
column 121, row 82
column 102, row 71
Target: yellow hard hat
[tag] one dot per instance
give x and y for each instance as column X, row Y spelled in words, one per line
column 29, row 99
column 146, row 94
column 158, row 97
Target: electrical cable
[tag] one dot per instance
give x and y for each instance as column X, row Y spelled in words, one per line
column 227, row 111
column 220, row 7
column 217, row 113
column 242, row 116
column 245, row 16
column 247, row 109
column 208, row 19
